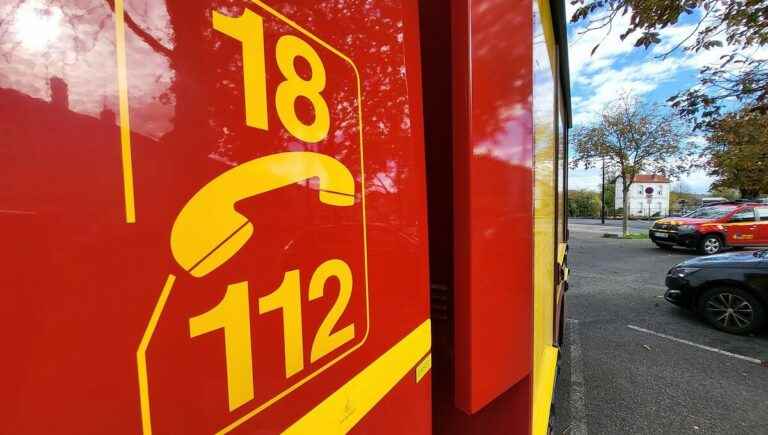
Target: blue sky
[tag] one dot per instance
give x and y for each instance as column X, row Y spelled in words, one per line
column 617, row 67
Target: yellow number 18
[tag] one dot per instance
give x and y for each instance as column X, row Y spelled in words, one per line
column 249, row 30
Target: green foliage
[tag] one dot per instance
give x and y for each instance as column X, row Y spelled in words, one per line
column 691, row 201
column 583, row 203
column 726, row 192
column 739, row 24
column 610, row 195
column 737, row 152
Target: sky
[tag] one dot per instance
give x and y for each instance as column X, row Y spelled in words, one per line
column 617, row 67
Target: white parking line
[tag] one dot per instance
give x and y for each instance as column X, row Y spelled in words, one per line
column 700, row 346
column 578, row 387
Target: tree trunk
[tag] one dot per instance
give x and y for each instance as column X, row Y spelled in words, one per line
column 625, row 200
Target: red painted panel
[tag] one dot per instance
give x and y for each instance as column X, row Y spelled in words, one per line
column 83, row 282
column 492, row 49
column 507, row 414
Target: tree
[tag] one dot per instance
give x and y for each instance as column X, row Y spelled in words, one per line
column 681, row 198
column 633, row 137
column 740, row 25
column 737, row 151
column 583, row 203
column 610, row 195
column 725, row 192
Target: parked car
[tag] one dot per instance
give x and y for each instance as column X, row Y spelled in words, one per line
column 730, row 291
column 714, row 228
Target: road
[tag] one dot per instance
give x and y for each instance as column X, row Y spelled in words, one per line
column 610, row 226
column 619, row 376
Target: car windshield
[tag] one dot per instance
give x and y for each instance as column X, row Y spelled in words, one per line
column 761, row 253
column 710, row 212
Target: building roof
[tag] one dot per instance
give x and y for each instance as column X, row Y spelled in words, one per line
column 645, row 178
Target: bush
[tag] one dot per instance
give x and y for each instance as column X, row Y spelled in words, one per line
column 583, row 203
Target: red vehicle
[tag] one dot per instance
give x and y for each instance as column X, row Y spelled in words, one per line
column 282, row 216
column 714, row 228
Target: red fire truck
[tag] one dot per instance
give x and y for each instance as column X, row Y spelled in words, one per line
column 282, row 216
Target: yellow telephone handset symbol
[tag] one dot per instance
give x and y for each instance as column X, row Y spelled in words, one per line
column 209, row 231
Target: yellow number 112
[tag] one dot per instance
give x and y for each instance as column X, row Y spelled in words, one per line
column 233, row 315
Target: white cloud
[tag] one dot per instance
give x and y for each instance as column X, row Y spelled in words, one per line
column 673, row 36
column 698, row 141
column 676, row 36
column 602, row 88
column 583, row 62
column 589, row 179
column 698, row 181
column 612, row 48
column 600, row 77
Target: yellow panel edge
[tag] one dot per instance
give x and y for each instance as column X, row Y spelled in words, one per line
column 542, row 395
column 549, row 32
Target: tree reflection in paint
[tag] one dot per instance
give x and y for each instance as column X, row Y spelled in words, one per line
column 171, row 50
column 85, row 274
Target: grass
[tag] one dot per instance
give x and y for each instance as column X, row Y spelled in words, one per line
column 636, row 236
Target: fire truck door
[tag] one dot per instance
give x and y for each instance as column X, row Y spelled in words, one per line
column 762, row 225
column 742, row 228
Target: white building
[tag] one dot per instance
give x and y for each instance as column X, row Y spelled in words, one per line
column 648, row 196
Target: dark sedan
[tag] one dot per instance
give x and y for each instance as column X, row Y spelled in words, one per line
column 729, row 290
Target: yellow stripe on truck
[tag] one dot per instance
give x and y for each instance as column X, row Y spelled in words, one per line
column 343, row 409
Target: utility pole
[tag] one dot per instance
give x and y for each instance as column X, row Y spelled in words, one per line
column 602, row 196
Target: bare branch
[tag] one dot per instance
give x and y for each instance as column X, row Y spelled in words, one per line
column 141, row 33
column 693, row 32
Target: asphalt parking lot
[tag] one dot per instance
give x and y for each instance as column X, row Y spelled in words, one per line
column 634, row 364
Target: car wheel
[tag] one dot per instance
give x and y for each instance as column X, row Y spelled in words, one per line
column 664, row 246
column 732, row 309
column 710, row 245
